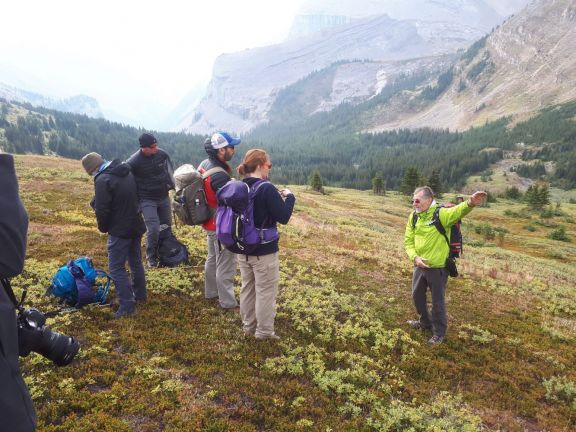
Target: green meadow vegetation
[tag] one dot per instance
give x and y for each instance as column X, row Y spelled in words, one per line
column 346, row 361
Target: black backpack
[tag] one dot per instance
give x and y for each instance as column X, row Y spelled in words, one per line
column 171, row 252
column 454, row 242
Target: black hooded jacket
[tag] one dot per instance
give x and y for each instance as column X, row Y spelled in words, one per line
column 16, row 409
column 116, row 202
column 154, row 174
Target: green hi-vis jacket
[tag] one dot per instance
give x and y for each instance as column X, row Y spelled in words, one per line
column 425, row 241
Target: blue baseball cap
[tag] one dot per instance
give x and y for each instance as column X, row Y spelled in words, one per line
column 223, row 139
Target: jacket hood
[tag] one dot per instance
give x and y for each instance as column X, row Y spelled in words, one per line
column 117, row 168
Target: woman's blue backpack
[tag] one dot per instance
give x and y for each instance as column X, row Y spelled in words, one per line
column 78, row 283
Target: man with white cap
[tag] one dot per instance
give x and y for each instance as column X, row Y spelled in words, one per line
column 220, row 267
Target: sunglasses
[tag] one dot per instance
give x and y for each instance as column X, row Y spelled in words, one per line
column 415, row 201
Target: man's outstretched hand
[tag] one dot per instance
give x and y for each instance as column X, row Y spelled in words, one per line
column 476, row 198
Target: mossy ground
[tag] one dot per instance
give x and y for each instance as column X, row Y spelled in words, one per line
column 346, row 360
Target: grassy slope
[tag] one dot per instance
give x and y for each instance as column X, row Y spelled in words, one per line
column 346, row 361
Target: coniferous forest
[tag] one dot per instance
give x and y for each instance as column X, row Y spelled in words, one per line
column 327, row 142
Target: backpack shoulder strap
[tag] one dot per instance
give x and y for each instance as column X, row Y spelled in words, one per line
column 256, row 186
column 436, row 222
column 211, row 171
column 75, row 270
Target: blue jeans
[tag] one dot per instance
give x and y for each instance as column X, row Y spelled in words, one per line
column 155, row 213
column 129, row 290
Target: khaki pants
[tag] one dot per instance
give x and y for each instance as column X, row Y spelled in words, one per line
column 260, row 276
column 220, row 269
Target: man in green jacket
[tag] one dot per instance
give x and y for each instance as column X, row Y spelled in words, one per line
column 428, row 250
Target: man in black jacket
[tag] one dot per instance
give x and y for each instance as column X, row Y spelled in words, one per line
column 154, row 174
column 117, row 213
column 16, row 410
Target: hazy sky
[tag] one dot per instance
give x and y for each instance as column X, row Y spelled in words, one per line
column 126, row 53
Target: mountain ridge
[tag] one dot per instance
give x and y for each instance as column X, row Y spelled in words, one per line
column 521, row 68
column 78, row 104
column 235, row 100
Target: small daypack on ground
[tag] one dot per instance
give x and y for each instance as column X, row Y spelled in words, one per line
column 76, row 283
column 189, row 203
column 171, row 252
column 235, row 227
column 454, row 242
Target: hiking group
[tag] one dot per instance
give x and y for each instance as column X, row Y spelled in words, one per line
column 132, row 198
column 240, row 220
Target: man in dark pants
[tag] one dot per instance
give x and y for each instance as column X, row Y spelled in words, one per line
column 428, row 250
column 16, row 410
column 154, row 174
column 117, row 213
column 220, row 266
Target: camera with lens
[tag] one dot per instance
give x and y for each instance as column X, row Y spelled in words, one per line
column 34, row 335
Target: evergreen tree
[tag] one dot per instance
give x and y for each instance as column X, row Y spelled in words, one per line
column 378, row 186
column 529, row 196
column 435, row 183
column 513, row 193
column 410, row 181
column 316, row 182
column 537, row 196
column 543, row 195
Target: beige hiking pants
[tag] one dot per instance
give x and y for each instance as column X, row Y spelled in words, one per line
column 260, row 276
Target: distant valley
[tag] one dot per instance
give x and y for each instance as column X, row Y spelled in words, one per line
column 407, row 98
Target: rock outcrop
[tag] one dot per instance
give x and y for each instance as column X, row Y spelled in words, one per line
column 527, row 64
column 244, row 85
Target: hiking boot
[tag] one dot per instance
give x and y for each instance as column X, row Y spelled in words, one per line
column 267, row 337
column 435, row 340
column 416, row 324
column 235, row 309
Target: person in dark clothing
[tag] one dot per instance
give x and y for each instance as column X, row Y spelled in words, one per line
column 220, row 266
column 117, row 213
column 17, row 413
column 154, row 174
column 260, row 268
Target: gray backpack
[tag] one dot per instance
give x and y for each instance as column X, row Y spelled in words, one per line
column 189, row 202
